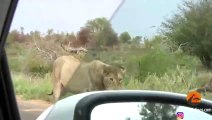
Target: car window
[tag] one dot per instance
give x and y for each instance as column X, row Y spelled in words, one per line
column 60, row 48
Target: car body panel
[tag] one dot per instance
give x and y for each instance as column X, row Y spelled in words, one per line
column 63, row 108
column 66, row 108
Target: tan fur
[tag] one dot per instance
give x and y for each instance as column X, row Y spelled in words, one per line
column 95, row 75
column 63, row 69
column 71, row 76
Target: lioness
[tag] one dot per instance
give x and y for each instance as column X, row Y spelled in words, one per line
column 69, row 75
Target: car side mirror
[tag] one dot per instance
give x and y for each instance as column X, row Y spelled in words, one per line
column 145, row 105
column 146, row 111
column 128, row 105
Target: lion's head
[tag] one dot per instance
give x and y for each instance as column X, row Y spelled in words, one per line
column 113, row 76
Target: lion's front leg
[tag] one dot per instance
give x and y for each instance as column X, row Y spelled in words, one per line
column 90, row 88
column 86, row 90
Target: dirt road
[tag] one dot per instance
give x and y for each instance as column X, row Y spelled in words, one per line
column 31, row 109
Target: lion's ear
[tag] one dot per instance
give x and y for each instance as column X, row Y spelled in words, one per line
column 123, row 69
column 106, row 70
column 119, row 66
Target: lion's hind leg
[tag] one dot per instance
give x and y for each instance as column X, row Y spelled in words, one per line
column 59, row 88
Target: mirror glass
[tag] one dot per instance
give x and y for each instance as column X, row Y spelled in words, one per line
column 146, row 111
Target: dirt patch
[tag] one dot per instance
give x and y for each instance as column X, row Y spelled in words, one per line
column 31, row 109
column 40, row 103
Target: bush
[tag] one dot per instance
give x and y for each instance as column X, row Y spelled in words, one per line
column 15, row 57
column 36, row 65
column 159, row 62
column 156, row 62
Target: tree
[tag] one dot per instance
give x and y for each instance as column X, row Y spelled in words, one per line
column 22, row 30
column 83, row 36
column 98, row 24
column 107, row 37
column 191, row 29
column 102, row 32
column 136, row 40
column 124, row 37
column 158, row 111
column 50, row 32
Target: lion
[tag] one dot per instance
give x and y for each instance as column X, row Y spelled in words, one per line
column 63, row 69
column 71, row 75
column 96, row 75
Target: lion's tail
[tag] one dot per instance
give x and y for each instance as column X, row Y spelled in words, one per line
column 50, row 93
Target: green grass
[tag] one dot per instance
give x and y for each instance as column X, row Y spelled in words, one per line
column 175, row 81
column 32, row 87
column 179, row 81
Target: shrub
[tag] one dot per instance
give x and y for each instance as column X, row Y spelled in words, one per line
column 36, row 65
column 159, row 62
column 156, row 62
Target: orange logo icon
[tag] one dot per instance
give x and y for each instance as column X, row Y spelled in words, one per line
column 193, row 98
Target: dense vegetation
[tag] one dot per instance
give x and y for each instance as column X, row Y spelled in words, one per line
column 192, row 28
column 162, row 62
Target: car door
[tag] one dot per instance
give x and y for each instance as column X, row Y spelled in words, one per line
column 8, row 104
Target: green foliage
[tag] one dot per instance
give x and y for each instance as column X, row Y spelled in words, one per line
column 15, row 56
column 191, row 29
column 103, row 32
column 27, row 61
column 136, row 40
column 36, row 66
column 158, row 60
column 124, row 37
column 107, row 37
column 179, row 80
column 155, row 59
column 98, row 24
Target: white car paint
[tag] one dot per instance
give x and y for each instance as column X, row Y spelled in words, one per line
column 64, row 109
